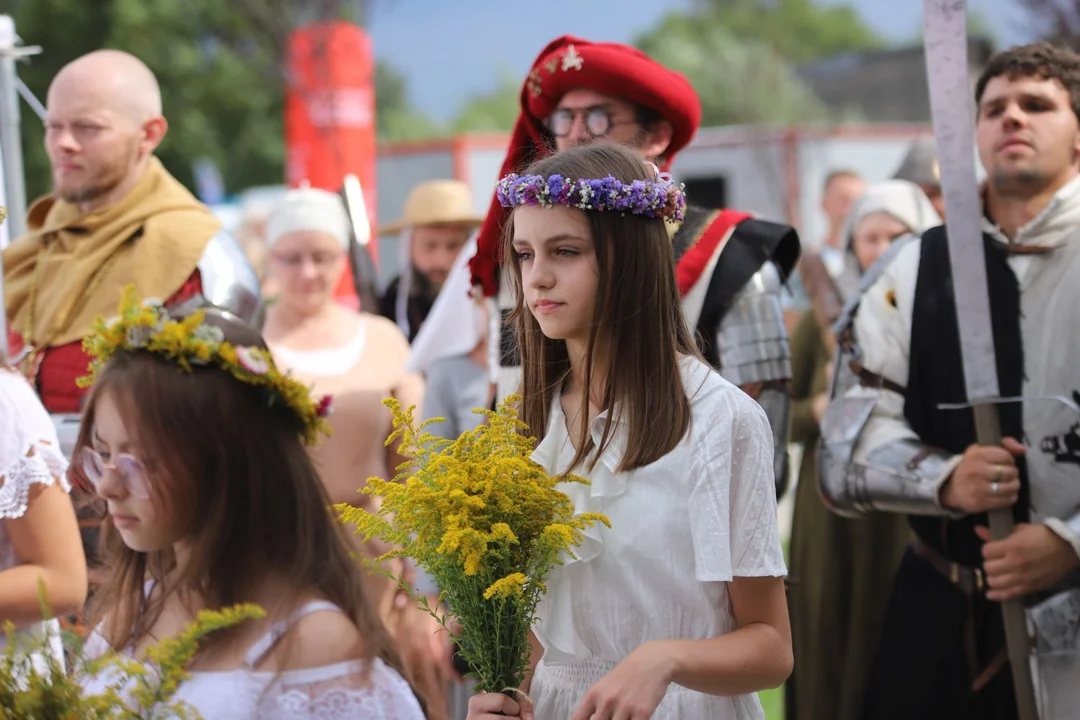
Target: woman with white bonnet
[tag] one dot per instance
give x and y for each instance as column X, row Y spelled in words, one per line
column 357, row 357
column 841, row 569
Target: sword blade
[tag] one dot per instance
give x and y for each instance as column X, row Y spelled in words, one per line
column 954, row 133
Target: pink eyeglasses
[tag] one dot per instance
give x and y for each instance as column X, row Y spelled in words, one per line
column 130, row 469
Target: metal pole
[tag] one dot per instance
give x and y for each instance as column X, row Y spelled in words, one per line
column 10, row 139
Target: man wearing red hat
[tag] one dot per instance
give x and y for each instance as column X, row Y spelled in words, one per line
column 731, row 267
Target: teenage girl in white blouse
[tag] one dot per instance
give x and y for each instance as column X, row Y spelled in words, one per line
column 213, row 500
column 677, row 611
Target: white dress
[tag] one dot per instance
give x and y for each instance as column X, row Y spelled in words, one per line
column 681, row 529
column 353, row 689
column 29, row 455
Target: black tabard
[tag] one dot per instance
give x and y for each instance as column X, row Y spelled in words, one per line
column 936, row 376
column 936, row 640
column 752, row 243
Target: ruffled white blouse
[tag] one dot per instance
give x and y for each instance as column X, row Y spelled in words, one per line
column 681, row 529
column 29, row 455
column 353, row 689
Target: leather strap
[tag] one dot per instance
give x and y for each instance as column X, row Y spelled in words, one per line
column 873, row 380
column 996, row 665
column 968, row 580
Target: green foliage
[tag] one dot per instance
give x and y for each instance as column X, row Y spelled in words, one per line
column 799, row 30
column 221, row 69
column 220, row 65
column 35, row 686
column 395, row 118
column 494, row 111
column 738, row 79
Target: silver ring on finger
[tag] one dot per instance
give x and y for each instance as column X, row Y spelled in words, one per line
column 995, row 487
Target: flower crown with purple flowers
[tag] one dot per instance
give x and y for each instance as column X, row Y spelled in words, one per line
column 660, row 198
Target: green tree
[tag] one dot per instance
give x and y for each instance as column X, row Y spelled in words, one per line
column 799, row 30
column 222, row 70
column 395, row 117
column 494, row 111
column 739, row 79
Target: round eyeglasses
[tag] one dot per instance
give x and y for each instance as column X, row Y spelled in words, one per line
column 129, row 468
column 598, row 122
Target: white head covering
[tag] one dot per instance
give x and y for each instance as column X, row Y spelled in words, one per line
column 904, row 200
column 308, row 210
column 456, row 323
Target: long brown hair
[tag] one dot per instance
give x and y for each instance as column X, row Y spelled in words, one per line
column 243, row 481
column 637, row 329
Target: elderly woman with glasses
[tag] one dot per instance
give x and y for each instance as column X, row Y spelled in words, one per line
column 359, row 358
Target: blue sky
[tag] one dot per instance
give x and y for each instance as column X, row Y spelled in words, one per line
column 451, row 50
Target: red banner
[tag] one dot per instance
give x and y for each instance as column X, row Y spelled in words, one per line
column 330, row 114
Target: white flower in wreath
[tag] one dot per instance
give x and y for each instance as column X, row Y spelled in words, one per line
column 211, row 334
column 253, row 360
column 137, row 336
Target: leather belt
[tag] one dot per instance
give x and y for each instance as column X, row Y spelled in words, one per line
column 969, row 580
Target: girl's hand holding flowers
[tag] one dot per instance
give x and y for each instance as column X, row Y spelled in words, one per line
column 633, row 690
column 492, row 706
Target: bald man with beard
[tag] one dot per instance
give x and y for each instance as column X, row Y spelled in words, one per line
column 115, row 218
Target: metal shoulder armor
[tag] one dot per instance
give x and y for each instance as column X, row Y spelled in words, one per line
column 752, row 342
column 902, row 475
column 752, row 338
column 229, row 282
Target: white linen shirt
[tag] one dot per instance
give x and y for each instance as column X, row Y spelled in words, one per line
column 681, row 529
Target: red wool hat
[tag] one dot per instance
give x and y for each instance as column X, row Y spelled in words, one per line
column 567, row 64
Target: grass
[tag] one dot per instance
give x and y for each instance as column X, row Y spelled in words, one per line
column 773, row 702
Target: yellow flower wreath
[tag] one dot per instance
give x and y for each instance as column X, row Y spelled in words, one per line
column 146, row 326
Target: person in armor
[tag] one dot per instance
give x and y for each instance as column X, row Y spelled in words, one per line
column 841, row 569
column 893, row 439
column 731, row 266
column 115, row 217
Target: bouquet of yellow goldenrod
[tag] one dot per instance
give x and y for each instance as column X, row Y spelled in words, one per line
column 486, row 522
column 34, row 685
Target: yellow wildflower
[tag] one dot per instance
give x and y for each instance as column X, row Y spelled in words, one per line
column 485, row 521
column 507, row 586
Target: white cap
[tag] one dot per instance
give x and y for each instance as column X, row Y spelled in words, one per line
column 308, row 210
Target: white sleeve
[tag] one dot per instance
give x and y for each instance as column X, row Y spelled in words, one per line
column 883, row 333
column 325, row 694
column 29, row 449
column 733, row 520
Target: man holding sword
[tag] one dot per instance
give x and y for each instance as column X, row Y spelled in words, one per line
column 903, row 436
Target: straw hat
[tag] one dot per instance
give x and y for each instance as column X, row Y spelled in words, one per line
column 436, row 202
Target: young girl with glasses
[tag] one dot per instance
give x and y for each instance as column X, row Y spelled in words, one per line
column 195, row 442
column 40, row 546
column 677, row 610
